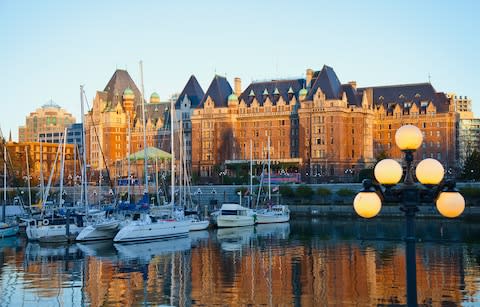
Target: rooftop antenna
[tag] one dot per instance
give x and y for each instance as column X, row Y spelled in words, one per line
column 429, row 77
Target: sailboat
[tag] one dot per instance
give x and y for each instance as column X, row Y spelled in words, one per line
column 10, row 228
column 55, row 228
column 104, row 225
column 273, row 213
column 144, row 226
column 185, row 197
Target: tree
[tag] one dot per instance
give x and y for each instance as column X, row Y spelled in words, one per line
column 381, row 155
column 471, row 168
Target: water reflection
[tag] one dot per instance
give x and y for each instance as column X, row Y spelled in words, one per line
column 308, row 262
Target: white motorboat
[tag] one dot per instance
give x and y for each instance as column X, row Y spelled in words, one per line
column 54, row 230
column 234, row 215
column 275, row 214
column 146, row 227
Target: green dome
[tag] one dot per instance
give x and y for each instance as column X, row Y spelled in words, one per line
column 128, row 91
column 154, row 98
column 303, row 92
column 232, row 96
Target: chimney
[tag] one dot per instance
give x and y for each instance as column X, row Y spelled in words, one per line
column 309, row 76
column 353, row 84
column 238, row 86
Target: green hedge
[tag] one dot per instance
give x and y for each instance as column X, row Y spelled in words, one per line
column 304, row 191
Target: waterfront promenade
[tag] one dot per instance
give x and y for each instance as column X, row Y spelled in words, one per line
column 210, row 197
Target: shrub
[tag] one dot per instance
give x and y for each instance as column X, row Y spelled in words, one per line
column 286, row 191
column 470, row 192
column 345, row 192
column 304, row 191
column 324, row 192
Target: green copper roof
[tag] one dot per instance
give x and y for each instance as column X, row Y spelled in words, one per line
column 232, row 96
column 303, row 92
column 152, row 154
column 155, row 95
column 128, row 91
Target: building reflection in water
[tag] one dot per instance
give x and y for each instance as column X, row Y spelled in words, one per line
column 307, row 263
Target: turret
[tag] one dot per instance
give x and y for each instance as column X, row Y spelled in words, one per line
column 128, row 102
column 154, row 98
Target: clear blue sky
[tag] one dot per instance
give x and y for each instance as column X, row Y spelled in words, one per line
column 49, row 48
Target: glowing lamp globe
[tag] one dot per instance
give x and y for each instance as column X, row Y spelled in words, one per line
column 367, row 204
column 450, row 204
column 429, row 171
column 408, row 137
column 388, row 171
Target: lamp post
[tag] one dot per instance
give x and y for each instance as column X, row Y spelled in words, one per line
column 222, row 174
column 348, row 174
column 429, row 172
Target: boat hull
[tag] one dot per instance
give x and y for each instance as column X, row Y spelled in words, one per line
column 199, row 225
column 91, row 233
column 234, row 221
column 272, row 218
column 162, row 229
column 53, row 233
column 8, row 231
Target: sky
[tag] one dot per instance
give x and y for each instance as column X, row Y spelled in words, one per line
column 49, row 48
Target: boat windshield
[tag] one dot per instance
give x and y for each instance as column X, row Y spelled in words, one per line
column 233, row 212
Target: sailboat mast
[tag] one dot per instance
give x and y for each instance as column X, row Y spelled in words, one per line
column 145, row 166
column 28, row 180
column 128, row 157
column 251, row 175
column 269, row 184
column 84, row 154
column 62, row 166
column 4, row 181
column 74, row 168
column 42, row 183
column 172, row 176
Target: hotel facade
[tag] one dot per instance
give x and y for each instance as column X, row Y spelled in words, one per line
column 316, row 126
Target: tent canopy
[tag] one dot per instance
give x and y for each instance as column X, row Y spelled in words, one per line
column 152, row 154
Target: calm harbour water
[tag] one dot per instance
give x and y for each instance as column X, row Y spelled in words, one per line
column 315, row 262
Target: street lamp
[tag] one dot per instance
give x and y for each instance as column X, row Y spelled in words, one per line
column 221, row 174
column 429, row 172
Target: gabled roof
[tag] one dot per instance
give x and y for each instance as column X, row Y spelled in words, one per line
column 117, row 85
column 415, row 93
column 194, row 92
column 218, row 90
column 280, row 86
column 328, row 82
column 353, row 97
